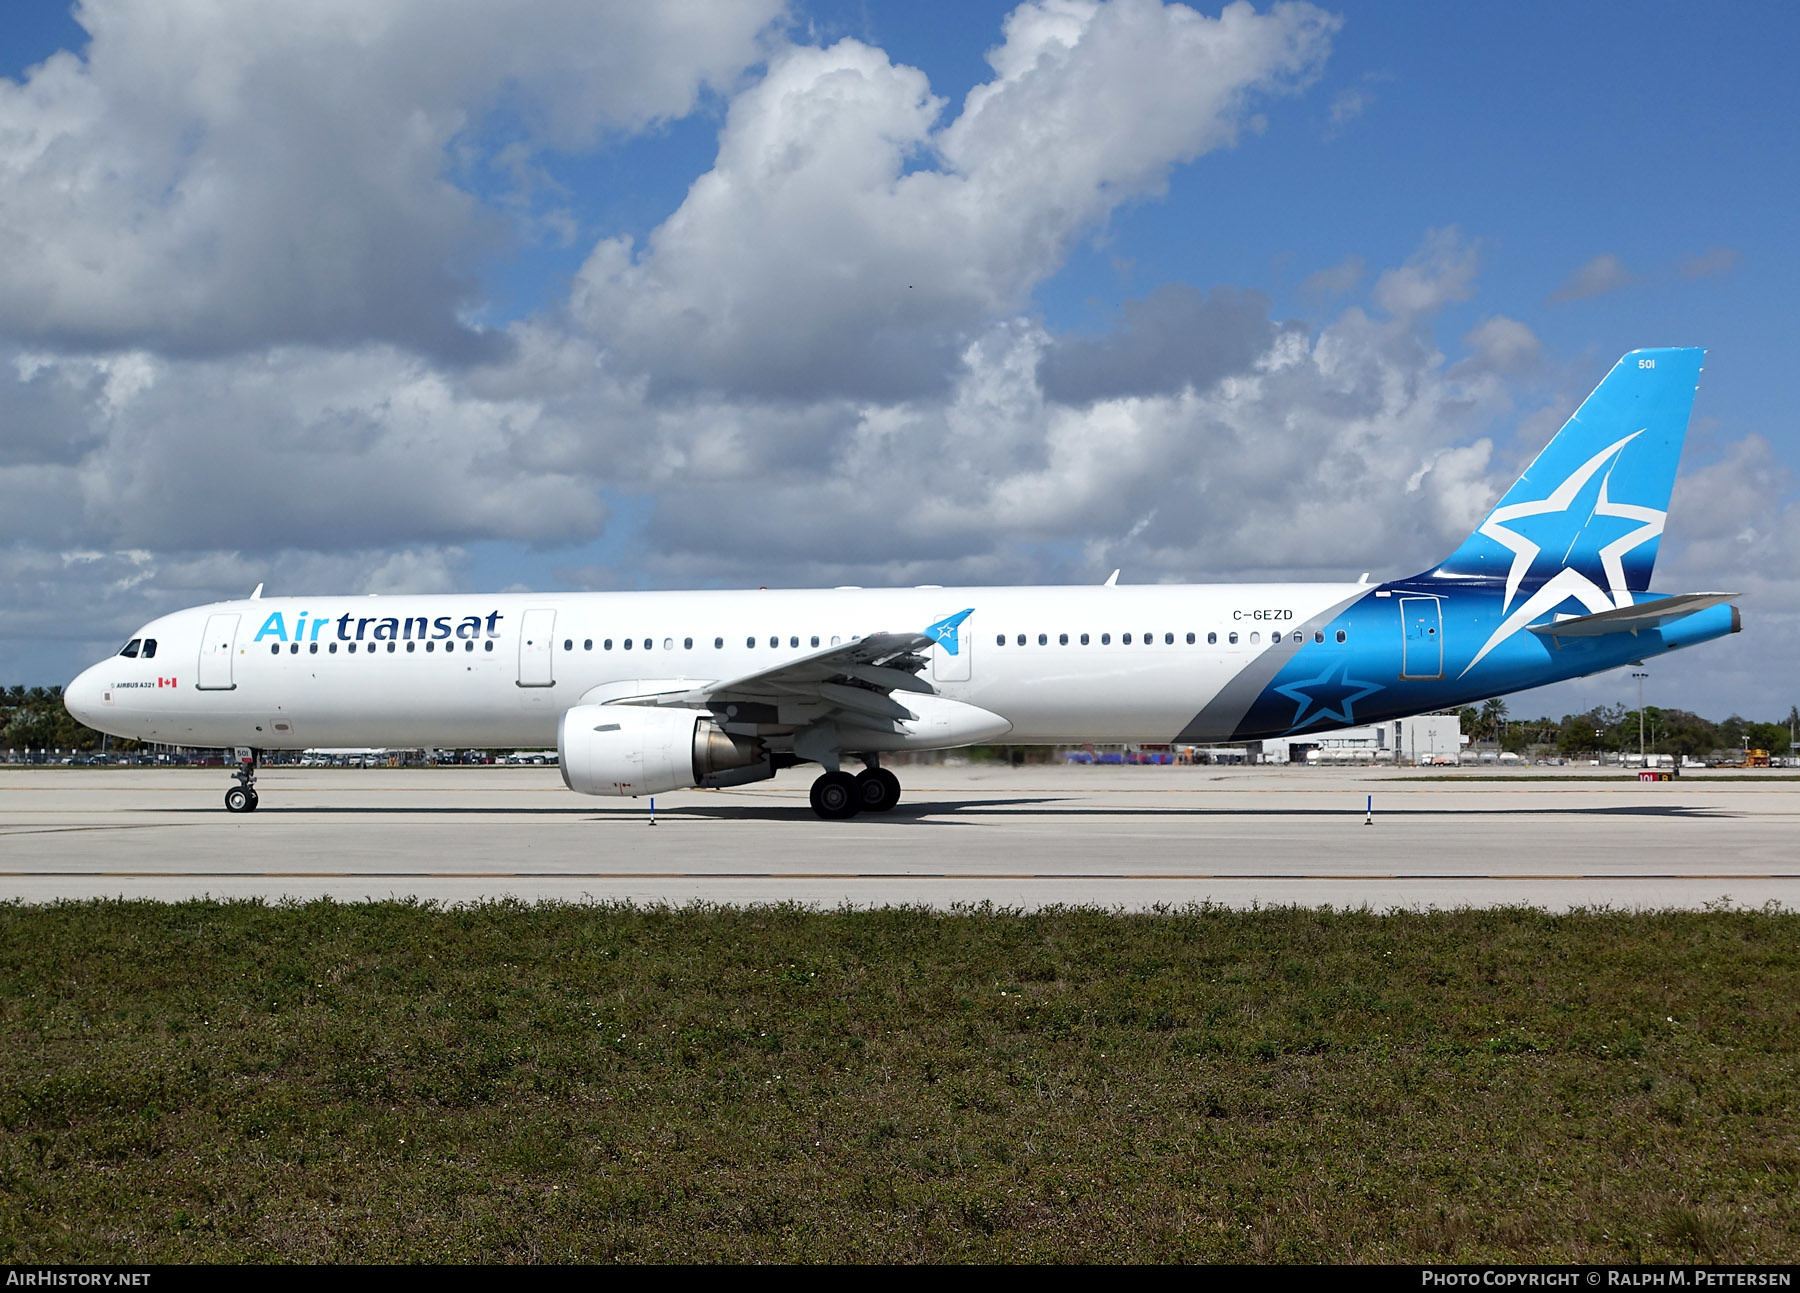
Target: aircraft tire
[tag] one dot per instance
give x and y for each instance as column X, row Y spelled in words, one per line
column 835, row 796
column 237, row 800
column 878, row 790
column 255, row 799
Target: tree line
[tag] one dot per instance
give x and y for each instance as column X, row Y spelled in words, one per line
column 33, row 718
column 1613, row 729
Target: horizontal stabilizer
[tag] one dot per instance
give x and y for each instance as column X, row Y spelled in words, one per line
column 1630, row 619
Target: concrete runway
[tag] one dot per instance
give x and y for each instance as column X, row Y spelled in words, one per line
column 1111, row 837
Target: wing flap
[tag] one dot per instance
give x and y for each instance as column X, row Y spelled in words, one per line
column 849, row 682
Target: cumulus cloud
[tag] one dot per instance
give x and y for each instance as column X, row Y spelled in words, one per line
column 301, row 449
column 1712, row 261
column 1351, row 102
column 1173, row 338
column 1503, row 345
column 845, row 241
column 1338, row 280
column 1604, row 273
column 1440, row 272
column 211, row 178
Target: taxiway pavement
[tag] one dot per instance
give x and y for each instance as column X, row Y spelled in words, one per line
column 1027, row 837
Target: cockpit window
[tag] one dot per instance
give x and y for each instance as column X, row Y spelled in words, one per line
column 130, row 649
column 149, row 652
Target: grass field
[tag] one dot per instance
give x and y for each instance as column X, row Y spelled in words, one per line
column 233, row 1081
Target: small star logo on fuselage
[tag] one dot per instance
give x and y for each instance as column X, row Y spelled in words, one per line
column 1331, row 695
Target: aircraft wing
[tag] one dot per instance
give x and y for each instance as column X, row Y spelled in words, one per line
column 1630, row 619
column 854, row 680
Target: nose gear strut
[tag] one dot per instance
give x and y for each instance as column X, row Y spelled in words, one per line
column 242, row 798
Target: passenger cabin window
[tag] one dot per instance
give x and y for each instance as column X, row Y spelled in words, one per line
column 1340, row 635
column 1084, row 639
column 1106, row 639
column 750, row 643
column 718, row 644
column 1062, row 639
column 687, row 644
column 1043, row 639
column 1231, row 638
column 1255, row 638
column 1212, row 639
column 1169, row 639
column 1001, row 640
column 1021, row 639
column 815, row 639
column 130, row 649
column 773, row 643
column 1125, row 639
column 668, row 644
column 1190, row 639
column 1318, row 635
column 1275, row 636
column 587, row 644
column 794, row 641
column 628, row 644
column 606, row 645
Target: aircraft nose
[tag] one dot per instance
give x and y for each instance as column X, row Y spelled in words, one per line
column 82, row 697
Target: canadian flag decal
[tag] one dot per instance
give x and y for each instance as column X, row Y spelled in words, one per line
column 165, row 682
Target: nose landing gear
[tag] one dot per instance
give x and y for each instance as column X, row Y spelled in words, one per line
column 242, row 798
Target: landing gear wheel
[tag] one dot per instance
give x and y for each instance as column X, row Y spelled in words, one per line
column 877, row 789
column 237, row 800
column 835, row 796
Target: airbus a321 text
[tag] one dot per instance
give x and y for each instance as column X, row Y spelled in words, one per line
column 650, row 692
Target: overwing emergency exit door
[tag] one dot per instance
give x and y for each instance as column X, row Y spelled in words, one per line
column 1422, row 647
column 536, row 639
column 950, row 656
column 216, row 648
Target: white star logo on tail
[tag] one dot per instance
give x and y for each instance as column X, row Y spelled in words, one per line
column 1569, row 581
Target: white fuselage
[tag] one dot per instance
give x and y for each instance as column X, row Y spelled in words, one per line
column 475, row 671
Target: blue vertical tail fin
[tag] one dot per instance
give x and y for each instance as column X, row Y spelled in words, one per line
column 1587, row 516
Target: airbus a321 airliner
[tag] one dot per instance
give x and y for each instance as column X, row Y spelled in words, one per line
column 651, row 692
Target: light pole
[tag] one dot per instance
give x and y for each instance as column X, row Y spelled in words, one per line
column 1640, row 675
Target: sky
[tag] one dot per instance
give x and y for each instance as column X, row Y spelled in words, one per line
column 445, row 295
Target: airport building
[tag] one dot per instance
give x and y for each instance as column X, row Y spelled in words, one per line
column 1426, row 739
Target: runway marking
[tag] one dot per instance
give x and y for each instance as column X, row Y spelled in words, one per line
column 885, row 875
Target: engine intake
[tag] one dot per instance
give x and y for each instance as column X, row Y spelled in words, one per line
column 632, row 750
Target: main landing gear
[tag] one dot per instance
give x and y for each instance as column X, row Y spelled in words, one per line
column 837, row 795
column 242, row 798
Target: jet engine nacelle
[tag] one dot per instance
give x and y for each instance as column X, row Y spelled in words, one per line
column 641, row 750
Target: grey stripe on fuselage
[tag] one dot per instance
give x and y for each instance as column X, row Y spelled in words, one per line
column 1220, row 718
